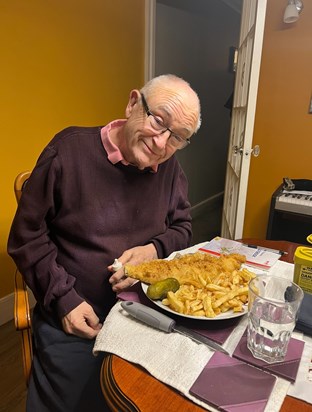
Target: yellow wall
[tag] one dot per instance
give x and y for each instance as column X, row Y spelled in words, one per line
column 63, row 63
column 283, row 127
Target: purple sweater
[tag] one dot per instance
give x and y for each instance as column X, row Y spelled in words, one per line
column 78, row 212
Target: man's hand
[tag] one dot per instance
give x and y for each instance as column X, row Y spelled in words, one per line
column 133, row 256
column 82, row 321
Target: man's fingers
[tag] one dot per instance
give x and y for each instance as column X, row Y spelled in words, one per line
column 123, row 284
column 94, row 323
column 117, row 276
column 82, row 321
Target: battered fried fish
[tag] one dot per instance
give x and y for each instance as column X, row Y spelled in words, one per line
column 186, row 267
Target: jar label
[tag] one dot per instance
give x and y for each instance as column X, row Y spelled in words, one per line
column 305, row 278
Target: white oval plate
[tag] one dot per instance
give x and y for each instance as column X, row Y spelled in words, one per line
column 226, row 315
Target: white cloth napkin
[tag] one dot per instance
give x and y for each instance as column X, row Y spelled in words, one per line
column 176, row 360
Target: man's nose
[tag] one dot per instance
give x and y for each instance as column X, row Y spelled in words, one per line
column 161, row 139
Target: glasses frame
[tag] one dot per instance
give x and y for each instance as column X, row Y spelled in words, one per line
column 184, row 142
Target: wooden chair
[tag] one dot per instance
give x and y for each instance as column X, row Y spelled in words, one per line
column 21, row 299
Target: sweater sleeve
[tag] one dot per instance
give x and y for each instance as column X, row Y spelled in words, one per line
column 30, row 244
column 178, row 233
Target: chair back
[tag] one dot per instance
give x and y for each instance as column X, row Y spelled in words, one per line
column 21, row 300
column 19, row 183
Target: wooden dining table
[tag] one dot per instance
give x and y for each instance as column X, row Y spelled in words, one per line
column 128, row 387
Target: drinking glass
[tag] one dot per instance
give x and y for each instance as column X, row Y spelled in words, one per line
column 273, row 307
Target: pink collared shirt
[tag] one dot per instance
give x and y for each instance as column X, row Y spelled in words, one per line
column 114, row 155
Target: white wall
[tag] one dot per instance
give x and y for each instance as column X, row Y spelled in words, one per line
column 193, row 40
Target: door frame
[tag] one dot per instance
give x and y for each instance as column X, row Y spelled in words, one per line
column 149, row 72
column 249, row 124
column 150, row 40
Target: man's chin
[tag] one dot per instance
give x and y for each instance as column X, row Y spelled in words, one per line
column 142, row 166
column 143, row 163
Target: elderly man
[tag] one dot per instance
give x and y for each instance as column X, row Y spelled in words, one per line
column 96, row 194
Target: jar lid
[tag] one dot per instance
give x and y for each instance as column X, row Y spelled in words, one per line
column 304, row 252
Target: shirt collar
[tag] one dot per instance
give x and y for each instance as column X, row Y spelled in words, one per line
column 114, row 155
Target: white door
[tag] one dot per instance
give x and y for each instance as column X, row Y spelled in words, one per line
column 243, row 115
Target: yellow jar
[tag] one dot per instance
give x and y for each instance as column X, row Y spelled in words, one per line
column 303, row 267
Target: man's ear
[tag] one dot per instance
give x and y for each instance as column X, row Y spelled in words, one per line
column 134, row 97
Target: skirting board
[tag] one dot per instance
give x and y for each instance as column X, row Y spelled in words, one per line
column 7, row 307
column 207, row 204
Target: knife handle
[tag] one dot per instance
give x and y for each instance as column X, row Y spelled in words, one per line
column 149, row 316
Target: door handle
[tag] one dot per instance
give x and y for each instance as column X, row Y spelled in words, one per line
column 255, row 151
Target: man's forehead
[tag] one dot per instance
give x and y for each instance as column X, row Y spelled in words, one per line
column 166, row 102
column 169, row 102
column 163, row 94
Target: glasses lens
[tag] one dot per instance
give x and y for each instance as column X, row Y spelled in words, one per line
column 177, row 142
column 157, row 123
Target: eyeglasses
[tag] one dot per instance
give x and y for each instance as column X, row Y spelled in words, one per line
column 157, row 124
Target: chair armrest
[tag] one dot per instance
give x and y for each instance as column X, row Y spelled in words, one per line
column 21, row 303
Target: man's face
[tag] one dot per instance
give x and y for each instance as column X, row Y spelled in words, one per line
column 143, row 146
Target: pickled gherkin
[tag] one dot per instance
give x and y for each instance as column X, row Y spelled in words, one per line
column 160, row 289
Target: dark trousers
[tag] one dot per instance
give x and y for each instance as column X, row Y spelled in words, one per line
column 65, row 375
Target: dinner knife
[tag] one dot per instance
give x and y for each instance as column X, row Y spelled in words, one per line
column 162, row 322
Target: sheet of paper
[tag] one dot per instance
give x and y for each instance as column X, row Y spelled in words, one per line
column 255, row 256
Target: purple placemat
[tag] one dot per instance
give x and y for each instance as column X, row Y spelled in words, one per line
column 287, row 369
column 233, row 386
column 216, row 330
column 135, row 294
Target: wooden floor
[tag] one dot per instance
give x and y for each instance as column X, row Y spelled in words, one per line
column 12, row 384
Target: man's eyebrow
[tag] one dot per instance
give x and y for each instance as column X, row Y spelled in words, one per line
column 168, row 114
column 164, row 109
